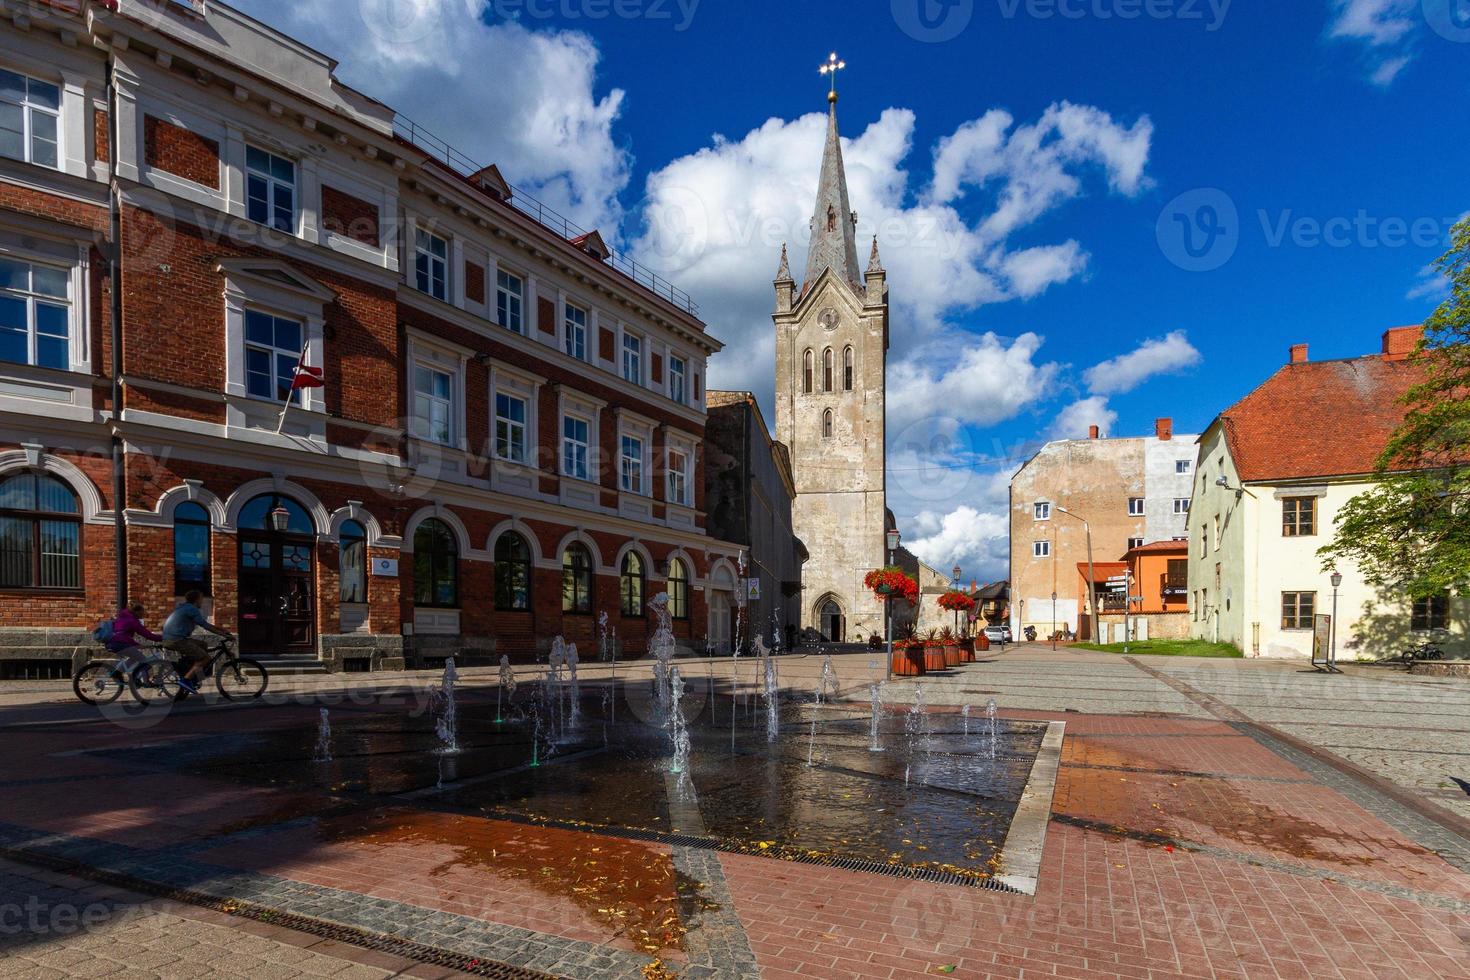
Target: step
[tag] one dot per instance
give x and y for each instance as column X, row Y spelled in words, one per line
column 291, row 664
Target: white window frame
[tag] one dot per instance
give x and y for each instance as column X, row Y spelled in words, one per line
column 276, row 354
column 33, row 299
column 439, row 355
column 419, row 397
column 1041, row 549
column 1183, row 466
column 632, row 359
column 678, row 379
column 423, row 240
column 1041, row 510
column 634, row 465
column 1135, row 543
column 568, row 443
column 28, row 111
column 273, row 185
column 1140, row 510
column 505, row 296
column 677, row 490
column 574, row 331
column 1181, row 505
column 512, row 426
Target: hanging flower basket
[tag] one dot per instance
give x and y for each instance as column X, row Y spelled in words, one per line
column 892, row 582
column 955, row 601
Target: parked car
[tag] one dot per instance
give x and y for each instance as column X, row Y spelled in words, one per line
column 998, row 633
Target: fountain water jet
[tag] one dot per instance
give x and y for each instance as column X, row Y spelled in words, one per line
column 990, row 716
column 827, row 689
column 323, row 751
column 443, row 699
column 662, row 644
column 772, row 691
column 965, row 713
column 575, row 716
column 506, row 689
column 875, row 692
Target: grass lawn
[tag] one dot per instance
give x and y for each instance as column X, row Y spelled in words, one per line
column 1168, row 648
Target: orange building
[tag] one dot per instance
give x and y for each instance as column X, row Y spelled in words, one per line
column 1158, row 574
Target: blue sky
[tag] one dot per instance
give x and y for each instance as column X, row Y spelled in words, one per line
column 1331, row 128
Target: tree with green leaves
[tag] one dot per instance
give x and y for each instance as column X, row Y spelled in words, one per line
column 1410, row 533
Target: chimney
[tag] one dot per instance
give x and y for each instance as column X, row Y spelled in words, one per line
column 1298, row 354
column 1399, row 342
column 974, row 585
column 1092, row 432
column 1164, row 429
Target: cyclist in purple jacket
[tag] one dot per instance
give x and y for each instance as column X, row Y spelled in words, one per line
column 127, row 627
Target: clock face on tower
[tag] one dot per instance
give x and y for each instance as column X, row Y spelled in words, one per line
column 828, row 319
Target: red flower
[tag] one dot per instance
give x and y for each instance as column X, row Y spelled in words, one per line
column 889, row 582
column 956, row 602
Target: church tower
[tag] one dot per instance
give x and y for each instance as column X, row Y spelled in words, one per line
column 831, row 360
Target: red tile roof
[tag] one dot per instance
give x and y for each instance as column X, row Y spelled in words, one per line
column 1102, row 570
column 1318, row 418
column 1161, row 547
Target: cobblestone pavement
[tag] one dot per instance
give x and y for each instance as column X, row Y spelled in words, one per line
column 1210, row 819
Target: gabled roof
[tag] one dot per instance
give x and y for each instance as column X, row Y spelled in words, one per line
column 1318, row 418
column 1160, row 548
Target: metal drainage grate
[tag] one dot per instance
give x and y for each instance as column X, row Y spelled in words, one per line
column 404, row 948
column 931, row 875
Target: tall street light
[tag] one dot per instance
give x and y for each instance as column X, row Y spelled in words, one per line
column 1091, row 581
column 1332, row 654
column 956, row 587
column 892, row 542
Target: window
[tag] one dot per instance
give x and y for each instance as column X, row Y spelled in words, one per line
column 678, row 588
column 831, row 220
column 1135, row 506
column 352, row 547
column 574, row 433
column 273, row 348
column 827, row 424
column 431, row 264
column 847, row 369
column 1181, row 505
column 509, row 295
column 433, row 404
column 576, row 580
column 632, row 359
column 30, row 118
column 806, row 372
column 1297, row 610
column 1298, row 516
column 1430, row 613
column 270, row 190
column 678, row 388
column 40, row 534
column 630, row 465
column 1183, row 465
column 35, row 314
column 191, row 548
column 827, row 369
column 1041, row 511
column 678, row 477
column 435, row 565
column 576, row 332
column 510, row 428
column 512, row 573
column 1135, row 543
column 630, row 585
column 1217, row 532
column 1041, row 549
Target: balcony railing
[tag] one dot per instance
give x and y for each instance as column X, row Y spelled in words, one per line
column 553, row 221
column 1171, row 586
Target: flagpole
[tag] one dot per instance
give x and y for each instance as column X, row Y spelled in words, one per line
column 291, row 391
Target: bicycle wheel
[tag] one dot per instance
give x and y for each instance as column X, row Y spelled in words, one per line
column 98, row 682
column 240, row 680
column 155, row 682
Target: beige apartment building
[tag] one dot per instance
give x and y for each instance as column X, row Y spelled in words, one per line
column 1130, row 492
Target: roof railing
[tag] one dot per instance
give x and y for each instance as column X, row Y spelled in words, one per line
column 543, row 215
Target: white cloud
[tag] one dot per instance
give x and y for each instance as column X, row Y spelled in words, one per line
column 499, row 93
column 1431, row 284
column 977, row 541
column 1386, row 29
column 1125, row 372
column 1074, row 421
column 981, row 384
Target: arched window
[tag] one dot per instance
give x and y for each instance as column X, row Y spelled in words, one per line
column 847, row 368
column 827, row 369
column 256, row 515
column 576, row 580
column 806, row 371
column 630, row 586
column 435, row 565
column 827, row 424
column 191, row 548
column 678, row 589
column 352, row 544
column 40, row 534
column 831, row 219
column 512, row 573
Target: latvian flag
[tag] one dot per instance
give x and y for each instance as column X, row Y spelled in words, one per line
column 306, row 377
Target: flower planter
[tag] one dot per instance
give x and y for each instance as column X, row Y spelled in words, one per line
column 908, row 663
column 933, row 659
column 952, row 655
column 967, row 651
column 982, row 642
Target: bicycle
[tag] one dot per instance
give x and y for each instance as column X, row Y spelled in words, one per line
column 236, row 678
column 1422, row 651
column 99, row 682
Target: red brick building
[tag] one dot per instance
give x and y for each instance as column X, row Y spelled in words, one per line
column 507, row 445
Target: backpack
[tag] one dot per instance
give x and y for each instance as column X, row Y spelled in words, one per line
column 103, row 632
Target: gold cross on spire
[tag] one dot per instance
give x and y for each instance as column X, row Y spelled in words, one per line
column 832, row 67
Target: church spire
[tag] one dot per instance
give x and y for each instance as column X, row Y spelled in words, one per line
column 834, row 242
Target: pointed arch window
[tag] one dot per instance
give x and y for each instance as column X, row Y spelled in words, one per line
column 831, row 219
column 827, row 369
column 847, row 368
column 806, row 371
column 827, row 424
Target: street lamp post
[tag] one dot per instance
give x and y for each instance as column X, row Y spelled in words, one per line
column 1053, row 622
column 892, row 542
column 1332, row 653
column 1091, row 581
column 956, row 587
